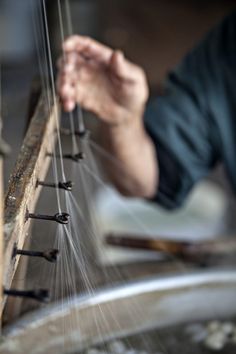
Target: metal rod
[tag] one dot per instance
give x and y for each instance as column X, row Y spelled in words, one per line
column 76, row 158
column 61, row 218
column 41, row 295
column 82, row 129
column 49, row 255
column 60, row 185
column 81, row 134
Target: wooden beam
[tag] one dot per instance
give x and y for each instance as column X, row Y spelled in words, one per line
column 1, row 231
column 22, row 194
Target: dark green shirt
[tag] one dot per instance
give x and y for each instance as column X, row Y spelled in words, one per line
column 193, row 126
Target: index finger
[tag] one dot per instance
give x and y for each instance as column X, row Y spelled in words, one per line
column 89, row 48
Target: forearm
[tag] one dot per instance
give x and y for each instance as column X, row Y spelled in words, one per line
column 136, row 171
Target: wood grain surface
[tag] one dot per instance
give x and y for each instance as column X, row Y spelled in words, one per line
column 22, row 194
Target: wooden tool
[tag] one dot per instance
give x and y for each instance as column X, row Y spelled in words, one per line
column 182, row 249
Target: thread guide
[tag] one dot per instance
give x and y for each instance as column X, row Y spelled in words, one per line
column 67, row 185
column 41, row 295
column 73, row 157
column 50, row 255
column 61, row 218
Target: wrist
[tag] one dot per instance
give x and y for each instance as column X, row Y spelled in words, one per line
column 129, row 129
column 124, row 120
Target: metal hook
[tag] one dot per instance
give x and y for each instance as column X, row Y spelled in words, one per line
column 41, row 295
column 50, row 255
column 76, row 158
column 61, row 218
column 60, row 185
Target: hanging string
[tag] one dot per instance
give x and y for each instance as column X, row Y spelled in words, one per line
column 0, row 91
column 75, row 148
column 79, row 112
column 56, row 109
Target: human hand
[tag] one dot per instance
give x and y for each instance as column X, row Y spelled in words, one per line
column 100, row 80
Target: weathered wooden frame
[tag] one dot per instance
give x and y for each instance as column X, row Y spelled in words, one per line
column 1, row 229
column 22, row 194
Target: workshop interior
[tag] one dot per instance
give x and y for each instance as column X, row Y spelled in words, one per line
column 83, row 268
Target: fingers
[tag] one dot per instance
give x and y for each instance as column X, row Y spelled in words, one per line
column 117, row 63
column 88, row 48
column 66, row 90
column 68, row 63
column 73, row 69
column 68, row 67
column 68, row 99
column 123, row 69
column 70, row 79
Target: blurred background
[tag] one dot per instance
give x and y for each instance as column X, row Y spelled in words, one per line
column 155, row 34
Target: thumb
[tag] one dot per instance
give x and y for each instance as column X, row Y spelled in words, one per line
column 118, row 65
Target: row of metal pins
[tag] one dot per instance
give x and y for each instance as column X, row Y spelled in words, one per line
column 50, row 255
column 42, row 295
